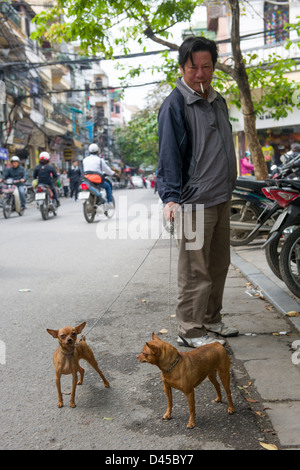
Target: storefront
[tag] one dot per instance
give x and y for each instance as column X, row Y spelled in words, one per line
column 276, row 134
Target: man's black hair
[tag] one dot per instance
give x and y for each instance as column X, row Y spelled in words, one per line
column 195, row 44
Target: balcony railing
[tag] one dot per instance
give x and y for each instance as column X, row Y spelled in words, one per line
column 9, row 12
column 63, row 110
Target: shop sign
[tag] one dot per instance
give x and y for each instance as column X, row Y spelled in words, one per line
column 54, row 158
column 3, row 154
column 68, row 153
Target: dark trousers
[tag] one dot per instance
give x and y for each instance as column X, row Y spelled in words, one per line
column 74, row 186
column 202, row 273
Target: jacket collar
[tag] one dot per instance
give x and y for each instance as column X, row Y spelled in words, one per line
column 192, row 96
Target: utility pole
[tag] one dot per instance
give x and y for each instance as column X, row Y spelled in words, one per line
column 2, row 109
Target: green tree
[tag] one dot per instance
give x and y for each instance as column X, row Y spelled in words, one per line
column 137, row 142
column 93, row 21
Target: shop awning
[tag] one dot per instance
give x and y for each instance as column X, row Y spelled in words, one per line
column 77, row 144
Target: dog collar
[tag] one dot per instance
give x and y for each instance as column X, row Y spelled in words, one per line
column 68, row 353
column 173, row 365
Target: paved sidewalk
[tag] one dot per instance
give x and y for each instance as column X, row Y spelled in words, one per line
column 256, row 302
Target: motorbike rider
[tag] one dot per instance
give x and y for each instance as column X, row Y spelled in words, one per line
column 17, row 172
column 46, row 174
column 93, row 164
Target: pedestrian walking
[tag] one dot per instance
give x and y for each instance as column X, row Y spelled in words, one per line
column 65, row 183
column 247, row 168
column 74, row 175
column 197, row 168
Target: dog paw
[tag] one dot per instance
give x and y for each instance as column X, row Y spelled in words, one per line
column 167, row 416
column 190, row 425
column 72, row 405
column 231, row 410
column 106, row 384
column 60, row 404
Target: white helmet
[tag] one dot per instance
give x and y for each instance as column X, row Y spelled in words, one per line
column 44, row 157
column 15, row 159
column 93, row 148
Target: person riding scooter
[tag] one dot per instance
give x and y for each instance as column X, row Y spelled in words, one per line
column 93, row 164
column 46, row 174
column 17, row 172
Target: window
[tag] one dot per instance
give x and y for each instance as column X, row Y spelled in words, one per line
column 100, row 111
column 276, row 16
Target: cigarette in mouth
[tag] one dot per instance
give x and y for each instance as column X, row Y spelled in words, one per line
column 202, row 89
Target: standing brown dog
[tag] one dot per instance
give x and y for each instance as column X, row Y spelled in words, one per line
column 66, row 358
column 186, row 370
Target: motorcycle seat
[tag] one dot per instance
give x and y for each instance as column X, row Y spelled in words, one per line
column 94, row 178
column 249, row 183
column 290, row 182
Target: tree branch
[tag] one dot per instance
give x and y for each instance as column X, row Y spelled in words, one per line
column 226, row 69
column 149, row 33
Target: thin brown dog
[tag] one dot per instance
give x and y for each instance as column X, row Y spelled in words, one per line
column 66, row 358
column 186, row 370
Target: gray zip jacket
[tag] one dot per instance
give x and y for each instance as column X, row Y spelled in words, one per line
column 197, row 161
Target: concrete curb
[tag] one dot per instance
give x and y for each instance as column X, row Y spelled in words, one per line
column 271, row 292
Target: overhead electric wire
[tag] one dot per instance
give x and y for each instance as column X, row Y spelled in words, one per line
column 14, row 66
column 115, row 57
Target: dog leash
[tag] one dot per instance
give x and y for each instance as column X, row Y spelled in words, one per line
column 171, row 231
column 125, row 286
column 170, row 270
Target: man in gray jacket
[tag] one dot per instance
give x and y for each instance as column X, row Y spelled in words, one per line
column 197, row 169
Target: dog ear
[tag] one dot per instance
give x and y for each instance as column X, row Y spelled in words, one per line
column 154, row 336
column 153, row 348
column 79, row 328
column 53, row 333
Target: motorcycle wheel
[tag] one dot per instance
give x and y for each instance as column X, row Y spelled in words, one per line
column 55, row 208
column 289, row 262
column 30, row 196
column 110, row 212
column 88, row 209
column 8, row 207
column 272, row 252
column 45, row 208
column 242, row 211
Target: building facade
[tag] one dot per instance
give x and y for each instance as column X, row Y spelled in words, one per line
column 263, row 33
column 51, row 98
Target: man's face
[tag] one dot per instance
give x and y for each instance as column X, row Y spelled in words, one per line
column 200, row 72
column 15, row 164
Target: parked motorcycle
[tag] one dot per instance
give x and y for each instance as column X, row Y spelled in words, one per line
column 289, row 262
column 11, row 198
column 94, row 199
column 287, row 194
column 46, row 202
column 251, row 211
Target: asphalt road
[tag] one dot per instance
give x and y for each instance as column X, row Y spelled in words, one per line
column 65, row 271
